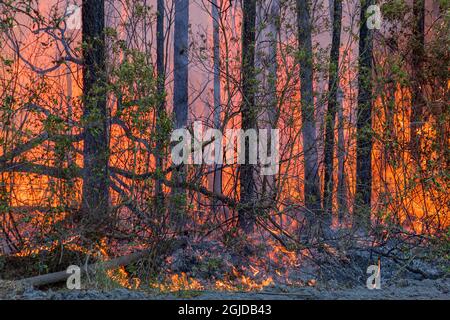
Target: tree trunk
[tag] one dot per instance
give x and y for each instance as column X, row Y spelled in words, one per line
column 161, row 107
column 181, row 62
column 268, row 30
column 217, row 178
column 60, row 276
column 180, row 100
column 341, row 187
column 95, row 193
column 330, row 118
column 362, row 205
column 417, row 98
column 310, row 152
column 248, row 114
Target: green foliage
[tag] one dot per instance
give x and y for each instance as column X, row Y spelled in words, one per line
column 54, row 124
column 394, row 10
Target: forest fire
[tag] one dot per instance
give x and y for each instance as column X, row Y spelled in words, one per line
column 240, row 283
column 337, row 163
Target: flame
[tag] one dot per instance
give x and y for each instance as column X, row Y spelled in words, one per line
column 243, row 283
column 234, row 281
column 179, row 282
column 312, row 282
column 415, row 205
column 67, row 244
column 121, row 277
column 240, row 282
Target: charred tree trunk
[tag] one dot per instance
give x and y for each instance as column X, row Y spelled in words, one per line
column 95, row 193
column 248, row 114
column 180, row 100
column 417, row 98
column 362, row 205
column 330, row 118
column 181, row 62
column 341, row 185
column 310, row 152
column 161, row 107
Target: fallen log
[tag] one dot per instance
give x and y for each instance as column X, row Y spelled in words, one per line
column 60, row 276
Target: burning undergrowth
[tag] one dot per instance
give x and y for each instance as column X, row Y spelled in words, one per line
column 246, row 265
column 211, row 266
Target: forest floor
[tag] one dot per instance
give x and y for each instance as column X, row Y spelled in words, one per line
column 405, row 274
column 404, row 289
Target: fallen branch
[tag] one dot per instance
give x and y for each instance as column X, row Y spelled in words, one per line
column 104, row 265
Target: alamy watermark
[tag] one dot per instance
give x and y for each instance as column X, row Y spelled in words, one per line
column 373, row 14
column 74, row 279
column 73, row 17
column 208, row 147
column 374, row 280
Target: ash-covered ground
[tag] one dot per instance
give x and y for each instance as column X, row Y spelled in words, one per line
column 209, row 271
column 405, row 289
